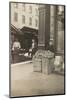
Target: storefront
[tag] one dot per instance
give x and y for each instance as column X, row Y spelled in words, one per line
column 29, row 34
column 24, row 37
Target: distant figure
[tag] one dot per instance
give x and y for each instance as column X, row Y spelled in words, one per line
column 33, row 44
column 16, row 45
column 15, row 51
column 32, row 49
column 30, row 52
column 51, row 46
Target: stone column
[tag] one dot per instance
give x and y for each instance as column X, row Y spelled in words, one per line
column 43, row 59
column 60, row 31
column 44, row 26
column 53, row 26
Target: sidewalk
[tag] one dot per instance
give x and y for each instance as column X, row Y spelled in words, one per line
column 25, row 82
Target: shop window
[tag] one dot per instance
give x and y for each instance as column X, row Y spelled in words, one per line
column 23, row 7
column 36, row 22
column 30, row 21
column 30, row 9
column 23, row 19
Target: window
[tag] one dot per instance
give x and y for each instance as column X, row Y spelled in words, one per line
column 23, row 19
column 36, row 12
column 16, row 5
column 15, row 17
column 30, row 9
column 36, row 22
column 30, row 21
column 23, row 7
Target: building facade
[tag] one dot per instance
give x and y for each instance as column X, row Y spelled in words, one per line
column 24, row 14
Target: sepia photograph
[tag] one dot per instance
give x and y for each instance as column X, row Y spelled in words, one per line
column 37, row 49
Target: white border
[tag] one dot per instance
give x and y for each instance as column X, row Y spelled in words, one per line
column 4, row 49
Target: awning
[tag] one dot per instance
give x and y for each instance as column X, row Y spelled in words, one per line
column 30, row 30
column 23, row 30
column 15, row 31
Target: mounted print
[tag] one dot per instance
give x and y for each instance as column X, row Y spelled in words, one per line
column 37, row 49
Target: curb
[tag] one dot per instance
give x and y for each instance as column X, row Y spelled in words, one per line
column 26, row 62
